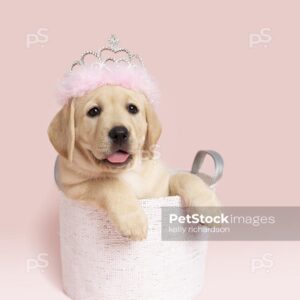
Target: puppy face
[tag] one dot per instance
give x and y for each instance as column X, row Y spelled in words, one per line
column 111, row 125
column 105, row 130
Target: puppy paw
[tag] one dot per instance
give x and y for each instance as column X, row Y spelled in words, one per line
column 205, row 198
column 211, row 215
column 207, row 205
column 133, row 225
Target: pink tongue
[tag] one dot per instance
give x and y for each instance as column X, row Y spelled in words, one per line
column 117, row 157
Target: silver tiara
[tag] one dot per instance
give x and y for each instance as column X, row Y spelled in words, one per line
column 111, row 50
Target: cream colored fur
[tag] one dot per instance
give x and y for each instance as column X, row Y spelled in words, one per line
column 83, row 143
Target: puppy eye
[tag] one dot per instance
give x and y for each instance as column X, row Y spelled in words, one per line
column 132, row 109
column 94, row 112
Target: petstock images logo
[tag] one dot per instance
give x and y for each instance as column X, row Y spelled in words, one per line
column 231, row 223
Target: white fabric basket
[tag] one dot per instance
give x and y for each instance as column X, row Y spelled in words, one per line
column 99, row 264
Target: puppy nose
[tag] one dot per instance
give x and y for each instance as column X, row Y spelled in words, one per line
column 119, row 134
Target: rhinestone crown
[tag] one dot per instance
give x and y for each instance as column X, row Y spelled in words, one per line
column 108, row 54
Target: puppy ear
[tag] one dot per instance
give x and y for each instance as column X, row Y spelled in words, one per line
column 153, row 129
column 61, row 131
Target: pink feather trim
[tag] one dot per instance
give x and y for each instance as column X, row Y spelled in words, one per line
column 86, row 78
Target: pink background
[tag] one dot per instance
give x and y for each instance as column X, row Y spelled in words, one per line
column 218, row 93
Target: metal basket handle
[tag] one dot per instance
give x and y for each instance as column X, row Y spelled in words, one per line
column 218, row 161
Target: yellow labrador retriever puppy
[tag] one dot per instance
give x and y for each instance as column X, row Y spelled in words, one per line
column 105, row 140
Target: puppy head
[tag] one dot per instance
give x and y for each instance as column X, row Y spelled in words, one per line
column 108, row 129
